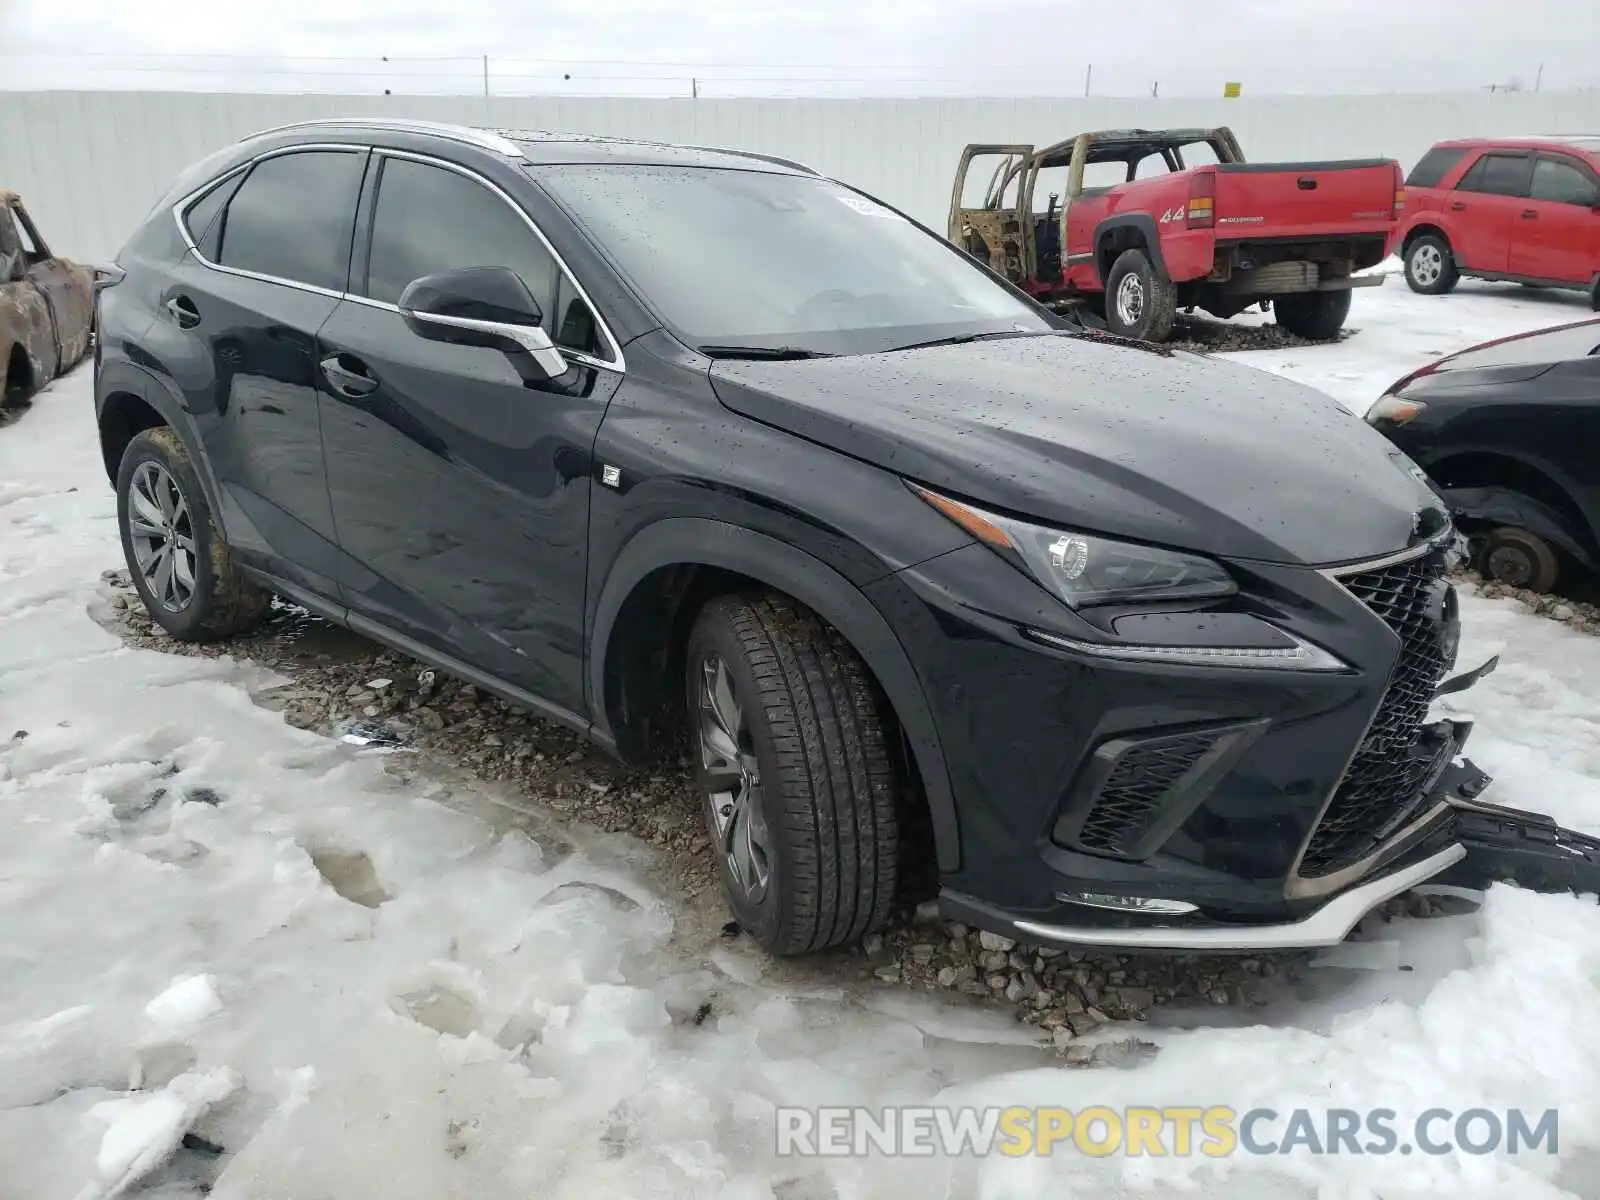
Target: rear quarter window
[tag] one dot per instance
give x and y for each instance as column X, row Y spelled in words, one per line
column 1435, row 165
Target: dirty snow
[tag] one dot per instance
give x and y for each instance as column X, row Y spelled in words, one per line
column 448, row 1007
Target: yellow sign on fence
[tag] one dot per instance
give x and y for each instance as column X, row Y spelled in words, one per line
column 1230, row 91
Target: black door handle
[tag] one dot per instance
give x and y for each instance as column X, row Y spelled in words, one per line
column 1529, row 214
column 1306, row 183
column 348, row 376
column 183, row 311
column 1457, row 206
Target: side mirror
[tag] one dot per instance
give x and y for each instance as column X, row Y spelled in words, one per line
column 483, row 306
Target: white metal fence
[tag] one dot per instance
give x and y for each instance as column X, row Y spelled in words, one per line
column 91, row 163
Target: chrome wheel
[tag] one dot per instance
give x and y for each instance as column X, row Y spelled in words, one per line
column 732, row 779
column 1427, row 264
column 1130, row 300
column 162, row 536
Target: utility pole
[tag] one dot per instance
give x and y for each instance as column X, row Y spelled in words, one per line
column 485, row 76
column 1155, row 88
column 1088, row 77
column 694, row 89
column 1539, row 78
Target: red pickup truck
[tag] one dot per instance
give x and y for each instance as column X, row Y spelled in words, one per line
column 1145, row 222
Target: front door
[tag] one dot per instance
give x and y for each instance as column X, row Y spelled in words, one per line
column 1556, row 236
column 989, row 216
column 1483, row 208
column 236, row 326
column 460, row 492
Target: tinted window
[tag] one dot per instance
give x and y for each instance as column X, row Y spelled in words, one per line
column 1563, row 183
column 1496, row 175
column 1435, row 165
column 738, row 258
column 292, row 218
column 431, row 219
column 575, row 326
column 201, row 217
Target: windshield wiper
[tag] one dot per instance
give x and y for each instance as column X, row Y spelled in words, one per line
column 963, row 338
column 766, row 353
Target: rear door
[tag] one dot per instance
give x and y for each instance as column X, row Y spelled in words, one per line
column 237, row 328
column 1556, row 235
column 988, row 204
column 1484, row 206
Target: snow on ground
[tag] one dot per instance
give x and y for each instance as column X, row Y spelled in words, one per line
column 493, row 1014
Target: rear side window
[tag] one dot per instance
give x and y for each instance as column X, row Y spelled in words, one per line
column 1563, row 183
column 432, row 219
column 1497, row 175
column 200, row 218
column 293, row 217
column 1435, row 165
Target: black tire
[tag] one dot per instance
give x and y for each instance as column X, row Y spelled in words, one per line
column 1431, row 266
column 1520, row 559
column 816, row 734
column 1150, row 308
column 1315, row 316
column 221, row 602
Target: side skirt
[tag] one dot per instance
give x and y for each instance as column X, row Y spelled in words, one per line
column 368, row 628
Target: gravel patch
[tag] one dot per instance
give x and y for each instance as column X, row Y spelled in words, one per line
column 343, row 686
column 1570, row 611
column 1206, row 335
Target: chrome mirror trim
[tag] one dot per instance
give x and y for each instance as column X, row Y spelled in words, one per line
column 531, row 338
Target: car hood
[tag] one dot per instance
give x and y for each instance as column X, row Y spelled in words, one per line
column 1177, row 449
column 1514, row 359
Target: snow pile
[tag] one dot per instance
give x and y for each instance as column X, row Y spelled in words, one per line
column 241, row 957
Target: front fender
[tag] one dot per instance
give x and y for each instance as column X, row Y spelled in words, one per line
column 705, row 542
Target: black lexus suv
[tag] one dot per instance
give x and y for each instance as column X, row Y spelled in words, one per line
column 1126, row 646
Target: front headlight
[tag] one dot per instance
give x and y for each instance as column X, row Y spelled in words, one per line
column 1391, row 410
column 1085, row 569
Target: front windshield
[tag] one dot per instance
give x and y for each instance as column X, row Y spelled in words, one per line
column 733, row 258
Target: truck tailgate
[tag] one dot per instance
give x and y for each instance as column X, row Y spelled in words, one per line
column 1274, row 200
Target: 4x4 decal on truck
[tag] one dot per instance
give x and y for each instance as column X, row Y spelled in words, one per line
column 1174, row 214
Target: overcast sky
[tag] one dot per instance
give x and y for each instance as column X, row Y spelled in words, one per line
column 813, row 47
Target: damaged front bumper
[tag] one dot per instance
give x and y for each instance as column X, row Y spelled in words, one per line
column 1456, row 839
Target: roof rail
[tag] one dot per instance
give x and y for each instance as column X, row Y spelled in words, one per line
column 482, row 138
column 771, row 158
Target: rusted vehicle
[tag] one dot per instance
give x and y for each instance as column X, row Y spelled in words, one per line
column 46, row 306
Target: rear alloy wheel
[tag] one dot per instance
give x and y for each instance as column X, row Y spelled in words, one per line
column 1140, row 302
column 180, row 566
column 1430, row 267
column 791, row 758
column 1315, row 316
column 1520, row 559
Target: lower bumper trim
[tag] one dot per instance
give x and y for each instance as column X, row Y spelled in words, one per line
column 1328, row 926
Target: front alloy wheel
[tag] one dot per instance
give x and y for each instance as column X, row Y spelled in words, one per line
column 791, row 759
column 732, row 777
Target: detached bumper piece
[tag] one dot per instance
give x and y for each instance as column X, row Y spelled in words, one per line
column 1504, row 845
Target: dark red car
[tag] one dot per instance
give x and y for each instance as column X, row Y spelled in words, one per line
column 1522, row 209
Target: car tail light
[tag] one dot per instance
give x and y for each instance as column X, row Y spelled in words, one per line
column 1202, row 200
column 1399, row 208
